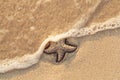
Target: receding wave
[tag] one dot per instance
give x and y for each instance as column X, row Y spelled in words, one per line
column 31, row 59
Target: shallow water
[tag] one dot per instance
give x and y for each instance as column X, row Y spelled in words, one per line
column 29, row 60
column 96, row 59
column 78, row 30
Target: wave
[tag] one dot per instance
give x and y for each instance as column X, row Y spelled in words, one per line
column 31, row 59
column 78, row 30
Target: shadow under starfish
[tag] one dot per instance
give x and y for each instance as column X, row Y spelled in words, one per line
column 59, row 48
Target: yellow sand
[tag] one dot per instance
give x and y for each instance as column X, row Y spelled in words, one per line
column 98, row 58
column 25, row 24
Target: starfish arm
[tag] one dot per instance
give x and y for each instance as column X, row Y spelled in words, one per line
column 60, row 55
column 71, row 41
column 68, row 48
column 50, row 50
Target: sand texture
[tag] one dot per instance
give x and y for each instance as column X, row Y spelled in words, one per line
column 25, row 24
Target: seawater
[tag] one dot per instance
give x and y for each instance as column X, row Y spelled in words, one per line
column 31, row 59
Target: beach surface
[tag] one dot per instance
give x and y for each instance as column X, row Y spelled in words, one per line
column 25, row 25
column 96, row 59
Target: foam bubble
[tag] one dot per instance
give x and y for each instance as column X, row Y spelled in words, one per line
column 94, row 28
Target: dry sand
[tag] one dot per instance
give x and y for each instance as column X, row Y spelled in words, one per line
column 97, row 57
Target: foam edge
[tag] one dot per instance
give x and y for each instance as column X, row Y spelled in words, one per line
column 31, row 59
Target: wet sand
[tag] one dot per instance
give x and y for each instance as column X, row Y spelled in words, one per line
column 111, row 9
column 24, row 25
column 97, row 58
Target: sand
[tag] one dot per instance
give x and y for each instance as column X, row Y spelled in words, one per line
column 97, row 57
column 25, row 24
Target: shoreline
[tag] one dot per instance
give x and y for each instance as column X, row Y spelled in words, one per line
column 29, row 60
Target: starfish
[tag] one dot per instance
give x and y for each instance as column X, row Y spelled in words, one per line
column 59, row 48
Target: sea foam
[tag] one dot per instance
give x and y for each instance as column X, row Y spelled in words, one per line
column 31, row 59
column 78, row 30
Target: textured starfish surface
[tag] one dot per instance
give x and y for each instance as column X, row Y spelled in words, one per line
column 59, row 48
